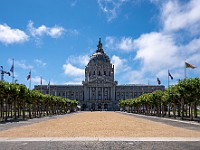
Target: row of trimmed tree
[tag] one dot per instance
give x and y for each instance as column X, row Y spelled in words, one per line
column 18, row 102
column 180, row 100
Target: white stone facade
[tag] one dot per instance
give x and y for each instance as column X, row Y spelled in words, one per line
column 99, row 90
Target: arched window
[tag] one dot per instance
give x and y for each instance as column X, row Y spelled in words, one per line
column 99, row 73
column 105, row 73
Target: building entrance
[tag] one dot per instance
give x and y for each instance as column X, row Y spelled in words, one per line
column 105, row 106
column 99, row 106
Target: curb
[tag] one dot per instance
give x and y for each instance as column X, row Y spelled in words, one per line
column 162, row 118
column 99, row 139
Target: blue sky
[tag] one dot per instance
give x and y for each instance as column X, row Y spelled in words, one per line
column 143, row 38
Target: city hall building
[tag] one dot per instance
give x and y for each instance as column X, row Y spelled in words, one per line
column 99, row 90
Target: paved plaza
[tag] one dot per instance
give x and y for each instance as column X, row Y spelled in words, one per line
column 100, row 130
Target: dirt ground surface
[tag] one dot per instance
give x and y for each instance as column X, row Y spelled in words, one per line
column 98, row 124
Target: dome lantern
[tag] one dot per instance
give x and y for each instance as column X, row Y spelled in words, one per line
column 99, row 55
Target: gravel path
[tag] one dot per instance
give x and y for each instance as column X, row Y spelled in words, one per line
column 98, row 124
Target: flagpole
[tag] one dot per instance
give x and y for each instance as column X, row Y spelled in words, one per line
column 13, row 72
column 2, row 72
column 30, row 80
column 168, row 78
column 49, row 88
column 41, row 85
column 168, row 89
column 55, row 91
column 185, row 70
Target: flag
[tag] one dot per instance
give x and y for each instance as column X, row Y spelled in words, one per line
column 170, row 75
column 12, row 69
column 28, row 76
column 187, row 65
column 8, row 73
column 158, row 80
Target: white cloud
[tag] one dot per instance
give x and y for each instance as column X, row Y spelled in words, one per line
column 56, row 32
column 72, row 31
column 126, row 44
column 37, row 80
column 111, row 7
column 40, row 62
column 21, row 64
column 53, row 32
column 156, row 51
column 110, row 42
column 159, row 52
column 71, row 70
column 168, row 48
column 75, row 81
column 81, row 60
column 135, row 77
column 191, row 51
column 181, row 16
column 119, row 64
column 123, row 44
column 73, row 66
column 10, row 36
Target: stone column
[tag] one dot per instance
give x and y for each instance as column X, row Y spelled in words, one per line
column 90, row 93
column 96, row 97
column 86, row 93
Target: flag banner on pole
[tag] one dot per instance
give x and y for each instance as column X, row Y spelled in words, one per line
column 187, row 65
column 28, row 76
column 169, row 74
column 12, row 69
column 8, row 73
column 158, row 80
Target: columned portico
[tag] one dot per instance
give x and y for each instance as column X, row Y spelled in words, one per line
column 99, row 83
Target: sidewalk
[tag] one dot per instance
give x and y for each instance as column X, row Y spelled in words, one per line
column 9, row 125
column 191, row 125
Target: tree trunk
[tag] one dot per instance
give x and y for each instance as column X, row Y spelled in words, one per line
column 186, row 112
column 195, row 109
column 191, row 111
column 169, row 107
column 182, row 108
column 11, row 110
column 23, row 110
column 174, row 110
column 179, row 110
column 6, row 117
column 29, row 110
column 15, row 111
